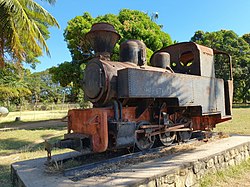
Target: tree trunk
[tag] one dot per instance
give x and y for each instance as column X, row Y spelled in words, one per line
column 1, row 53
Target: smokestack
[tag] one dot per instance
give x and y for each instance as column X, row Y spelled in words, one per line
column 102, row 38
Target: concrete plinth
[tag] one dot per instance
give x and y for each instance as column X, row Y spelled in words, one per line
column 179, row 169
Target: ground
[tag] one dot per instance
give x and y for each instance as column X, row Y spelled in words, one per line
column 243, row 180
column 24, row 140
column 236, row 176
column 34, row 125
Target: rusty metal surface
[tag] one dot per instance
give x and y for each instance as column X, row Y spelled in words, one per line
column 122, row 133
column 103, row 26
column 133, row 51
column 95, row 83
column 100, row 81
column 102, row 37
column 93, row 123
column 161, row 60
column 200, row 58
column 190, row 90
column 229, row 96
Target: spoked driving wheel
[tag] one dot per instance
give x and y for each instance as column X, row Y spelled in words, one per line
column 184, row 136
column 167, row 138
column 144, row 141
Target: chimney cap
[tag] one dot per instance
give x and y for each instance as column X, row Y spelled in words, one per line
column 103, row 26
column 102, row 38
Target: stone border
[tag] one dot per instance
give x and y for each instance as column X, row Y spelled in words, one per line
column 190, row 175
column 176, row 170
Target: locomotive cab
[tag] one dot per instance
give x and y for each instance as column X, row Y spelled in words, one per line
column 194, row 59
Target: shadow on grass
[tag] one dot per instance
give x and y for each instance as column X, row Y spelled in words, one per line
column 40, row 146
column 5, row 180
column 11, row 145
column 241, row 105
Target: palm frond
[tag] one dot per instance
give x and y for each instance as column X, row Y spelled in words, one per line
column 25, row 23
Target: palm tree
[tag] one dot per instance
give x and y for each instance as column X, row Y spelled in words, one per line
column 23, row 29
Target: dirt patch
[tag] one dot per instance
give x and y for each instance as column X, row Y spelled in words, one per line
column 34, row 125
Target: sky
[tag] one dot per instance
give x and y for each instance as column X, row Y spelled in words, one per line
column 180, row 19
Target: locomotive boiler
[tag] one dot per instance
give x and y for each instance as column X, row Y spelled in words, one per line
column 135, row 104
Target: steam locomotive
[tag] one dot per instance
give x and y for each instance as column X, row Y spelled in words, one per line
column 135, row 104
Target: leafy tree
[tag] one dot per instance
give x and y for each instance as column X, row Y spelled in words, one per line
column 69, row 75
column 19, row 86
column 44, row 89
column 23, row 30
column 246, row 37
column 130, row 24
column 239, row 49
column 12, row 85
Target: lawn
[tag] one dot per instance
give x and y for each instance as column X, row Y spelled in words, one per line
column 236, row 175
column 240, row 123
column 23, row 144
column 233, row 176
column 34, row 115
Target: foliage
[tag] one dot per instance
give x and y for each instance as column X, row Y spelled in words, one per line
column 130, row 24
column 246, row 37
column 12, row 86
column 18, row 86
column 69, row 75
column 23, row 30
column 44, row 89
column 239, row 49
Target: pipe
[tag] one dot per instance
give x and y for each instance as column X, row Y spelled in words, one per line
column 120, row 108
column 116, row 115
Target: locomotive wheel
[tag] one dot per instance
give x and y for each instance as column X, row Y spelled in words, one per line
column 143, row 142
column 167, row 138
column 184, row 136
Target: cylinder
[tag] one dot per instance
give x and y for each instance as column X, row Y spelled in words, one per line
column 133, row 51
column 161, row 60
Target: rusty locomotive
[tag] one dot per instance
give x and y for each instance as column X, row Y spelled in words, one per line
column 135, row 104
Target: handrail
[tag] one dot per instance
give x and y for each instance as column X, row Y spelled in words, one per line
column 230, row 61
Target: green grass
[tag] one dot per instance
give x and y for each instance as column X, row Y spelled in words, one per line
column 18, row 145
column 34, row 115
column 26, row 140
column 225, row 177
column 240, row 123
column 5, row 162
